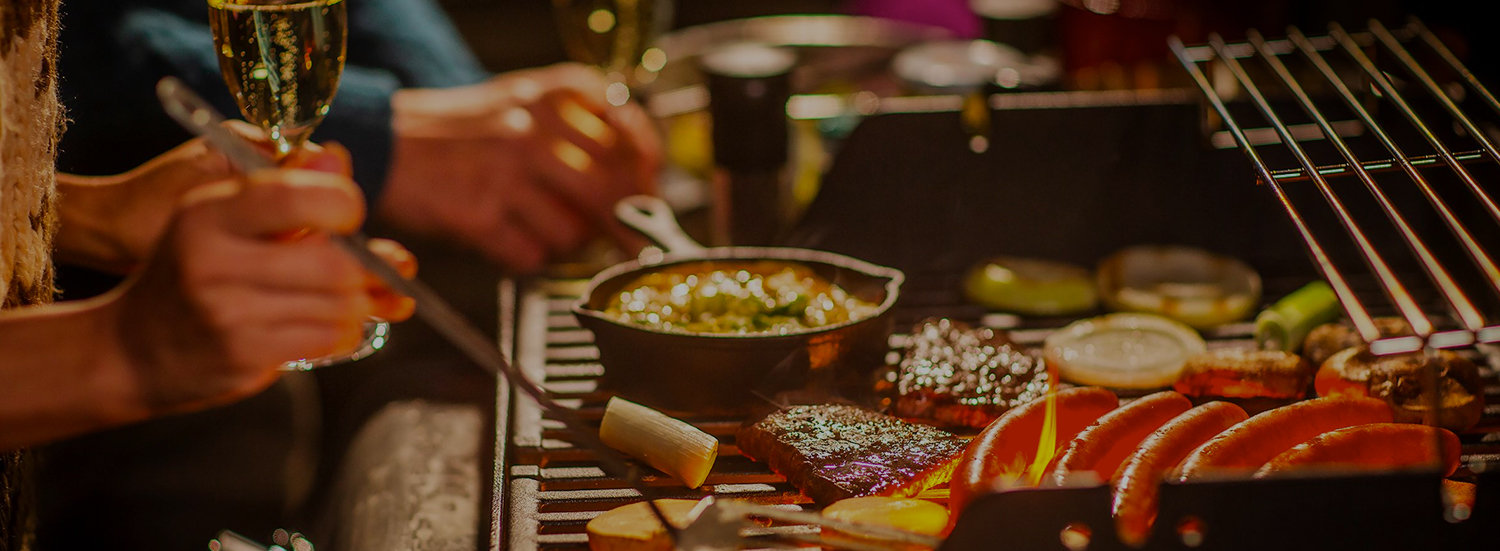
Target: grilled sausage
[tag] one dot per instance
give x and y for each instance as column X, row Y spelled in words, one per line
column 1245, row 447
column 1378, row 446
column 1009, row 444
column 1138, row 481
column 1104, row 445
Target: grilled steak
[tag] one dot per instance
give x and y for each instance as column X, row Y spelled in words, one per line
column 954, row 375
column 832, row 452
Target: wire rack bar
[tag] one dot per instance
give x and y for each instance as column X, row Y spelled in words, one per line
column 1357, row 312
column 1382, row 165
column 1458, row 306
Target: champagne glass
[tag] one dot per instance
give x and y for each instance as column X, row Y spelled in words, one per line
column 282, row 60
column 616, row 36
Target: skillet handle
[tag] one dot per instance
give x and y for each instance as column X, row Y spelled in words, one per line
column 653, row 218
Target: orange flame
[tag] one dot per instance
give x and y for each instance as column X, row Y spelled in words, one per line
column 1012, row 474
column 1046, row 443
column 1018, row 472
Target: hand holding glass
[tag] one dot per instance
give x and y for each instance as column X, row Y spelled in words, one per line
column 282, row 60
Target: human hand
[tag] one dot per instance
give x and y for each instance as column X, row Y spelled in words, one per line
column 112, row 223
column 246, row 278
column 523, row 167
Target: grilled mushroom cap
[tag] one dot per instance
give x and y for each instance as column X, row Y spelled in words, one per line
column 1399, row 380
column 1327, row 339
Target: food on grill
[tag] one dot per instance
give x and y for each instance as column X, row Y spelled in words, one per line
column 634, row 527
column 744, row 297
column 1255, row 379
column 1326, row 340
column 670, row 445
column 1399, row 380
column 1459, row 496
column 1379, row 446
column 1137, row 483
column 1193, row 286
column 1005, row 450
column 1285, row 325
column 1245, row 447
column 1031, row 287
column 1103, row 446
column 956, row 375
column 1136, row 351
column 832, row 452
column 911, row 515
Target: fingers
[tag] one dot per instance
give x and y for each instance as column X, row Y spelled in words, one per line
column 332, row 158
column 389, row 305
column 280, row 307
column 642, row 136
column 278, row 202
column 297, row 340
column 310, row 264
column 578, row 178
column 588, row 82
column 512, row 246
column 396, row 255
column 561, row 115
column 552, row 222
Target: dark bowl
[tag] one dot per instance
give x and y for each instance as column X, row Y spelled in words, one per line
column 729, row 374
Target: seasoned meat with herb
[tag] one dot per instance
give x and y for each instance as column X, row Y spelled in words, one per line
column 832, row 452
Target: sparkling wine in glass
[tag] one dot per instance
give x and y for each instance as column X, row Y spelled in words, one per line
column 282, row 60
column 616, row 36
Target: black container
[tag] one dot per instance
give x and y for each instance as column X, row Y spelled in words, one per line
column 713, row 374
column 748, row 87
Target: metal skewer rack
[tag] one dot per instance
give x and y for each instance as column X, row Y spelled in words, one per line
column 1365, row 90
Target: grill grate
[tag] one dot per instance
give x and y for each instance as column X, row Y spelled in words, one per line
column 546, row 490
column 1259, row 66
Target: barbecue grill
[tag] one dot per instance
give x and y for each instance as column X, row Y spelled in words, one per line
column 1139, row 167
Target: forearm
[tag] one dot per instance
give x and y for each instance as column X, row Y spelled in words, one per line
column 63, row 373
column 89, row 234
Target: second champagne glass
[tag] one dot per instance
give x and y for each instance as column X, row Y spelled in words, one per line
column 616, row 36
column 282, row 60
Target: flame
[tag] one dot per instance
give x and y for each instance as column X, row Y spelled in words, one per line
column 1011, row 474
column 1018, row 472
column 1046, row 442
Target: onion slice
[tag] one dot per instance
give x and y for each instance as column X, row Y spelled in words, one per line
column 1137, row 351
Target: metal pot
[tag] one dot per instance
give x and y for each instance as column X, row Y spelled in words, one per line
column 730, row 374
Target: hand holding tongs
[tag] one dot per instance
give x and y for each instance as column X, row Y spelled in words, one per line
column 200, row 118
column 719, row 522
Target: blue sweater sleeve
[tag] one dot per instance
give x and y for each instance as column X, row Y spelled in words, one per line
column 413, row 39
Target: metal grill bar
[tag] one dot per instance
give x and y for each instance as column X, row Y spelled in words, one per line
column 1468, row 314
column 1357, row 313
column 1449, row 288
column 1473, row 324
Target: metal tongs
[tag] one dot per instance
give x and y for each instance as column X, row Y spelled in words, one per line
column 717, row 524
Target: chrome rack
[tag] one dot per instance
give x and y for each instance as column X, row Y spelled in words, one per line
column 1230, row 59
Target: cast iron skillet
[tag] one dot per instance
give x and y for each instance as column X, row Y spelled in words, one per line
column 730, row 374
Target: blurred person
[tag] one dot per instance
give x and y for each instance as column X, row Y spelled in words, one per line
column 523, row 167
column 234, row 276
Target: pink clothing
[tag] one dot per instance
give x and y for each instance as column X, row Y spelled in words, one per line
column 953, row 15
